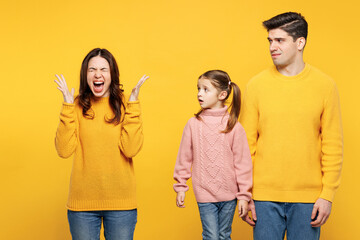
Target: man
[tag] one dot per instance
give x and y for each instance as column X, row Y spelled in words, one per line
column 291, row 114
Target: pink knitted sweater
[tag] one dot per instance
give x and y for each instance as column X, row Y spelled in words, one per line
column 219, row 163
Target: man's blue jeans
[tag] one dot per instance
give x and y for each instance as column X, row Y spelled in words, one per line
column 274, row 218
column 216, row 219
column 85, row 225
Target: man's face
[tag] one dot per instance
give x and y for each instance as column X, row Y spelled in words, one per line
column 283, row 49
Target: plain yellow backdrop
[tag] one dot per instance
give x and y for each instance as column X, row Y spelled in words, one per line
column 173, row 42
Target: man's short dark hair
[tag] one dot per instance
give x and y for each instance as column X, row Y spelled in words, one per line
column 291, row 22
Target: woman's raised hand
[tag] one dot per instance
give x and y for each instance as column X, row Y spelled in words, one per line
column 62, row 86
column 135, row 92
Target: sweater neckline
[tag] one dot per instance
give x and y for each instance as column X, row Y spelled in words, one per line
column 100, row 100
column 297, row 77
column 215, row 112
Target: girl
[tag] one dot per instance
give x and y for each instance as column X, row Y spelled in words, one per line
column 214, row 145
column 105, row 132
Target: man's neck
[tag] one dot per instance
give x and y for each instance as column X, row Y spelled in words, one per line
column 291, row 69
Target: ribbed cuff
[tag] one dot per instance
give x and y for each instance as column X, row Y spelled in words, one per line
column 327, row 194
column 68, row 106
column 180, row 188
column 133, row 108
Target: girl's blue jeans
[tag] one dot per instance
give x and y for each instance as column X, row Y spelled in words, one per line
column 216, row 219
column 274, row 218
column 86, row 225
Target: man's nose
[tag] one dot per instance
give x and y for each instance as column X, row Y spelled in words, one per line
column 273, row 46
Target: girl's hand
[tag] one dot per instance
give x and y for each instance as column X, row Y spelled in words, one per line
column 62, row 86
column 180, row 199
column 243, row 208
column 135, row 92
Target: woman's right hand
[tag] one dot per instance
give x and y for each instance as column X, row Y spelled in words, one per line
column 62, row 86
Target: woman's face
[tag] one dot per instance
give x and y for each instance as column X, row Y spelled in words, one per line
column 98, row 76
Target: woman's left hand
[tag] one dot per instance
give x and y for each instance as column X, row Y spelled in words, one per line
column 135, row 92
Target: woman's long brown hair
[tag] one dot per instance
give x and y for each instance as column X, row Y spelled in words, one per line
column 115, row 88
column 222, row 82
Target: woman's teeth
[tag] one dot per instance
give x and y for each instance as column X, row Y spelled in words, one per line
column 98, row 83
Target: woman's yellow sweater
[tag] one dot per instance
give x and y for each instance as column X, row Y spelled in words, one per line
column 102, row 176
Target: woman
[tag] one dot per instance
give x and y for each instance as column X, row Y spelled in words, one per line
column 104, row 131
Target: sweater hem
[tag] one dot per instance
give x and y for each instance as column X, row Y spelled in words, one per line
column 100, row 209
column 303, row 196
column 79, row 205
column 215, row 199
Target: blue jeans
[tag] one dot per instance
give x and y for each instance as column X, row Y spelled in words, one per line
column 274, row 218
column 86, row 225
column 216, row 219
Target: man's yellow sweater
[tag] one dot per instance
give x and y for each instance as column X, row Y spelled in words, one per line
column 102, row 177
column 293, row 125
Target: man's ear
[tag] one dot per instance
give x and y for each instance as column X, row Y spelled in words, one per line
column 301, row 41
column 222, row 95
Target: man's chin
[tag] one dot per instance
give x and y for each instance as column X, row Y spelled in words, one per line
column 279, row 64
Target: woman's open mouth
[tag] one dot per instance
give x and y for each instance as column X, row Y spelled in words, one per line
column 98, row 86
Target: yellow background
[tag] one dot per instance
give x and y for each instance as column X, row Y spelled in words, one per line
column 173, row 42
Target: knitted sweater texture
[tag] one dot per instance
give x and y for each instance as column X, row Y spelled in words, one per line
column 295, row 136
column 219, row 163
column 102, row 176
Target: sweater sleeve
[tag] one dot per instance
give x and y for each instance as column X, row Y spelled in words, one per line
column 131, row 136
column 66, row 136
column 242, row 164
column 331, row 145
column 184, row 161
column 249, row 119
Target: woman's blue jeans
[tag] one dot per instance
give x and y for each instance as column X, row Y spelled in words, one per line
column 86, row 225
column 274, row 218
column 216, row 219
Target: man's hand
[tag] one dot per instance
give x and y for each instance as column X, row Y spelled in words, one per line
column 321, row 212
column 247, row 218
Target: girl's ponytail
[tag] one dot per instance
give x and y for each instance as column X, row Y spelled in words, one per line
column 235, row 107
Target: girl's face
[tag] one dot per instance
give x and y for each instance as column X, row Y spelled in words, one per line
column 99, row 77
column 208, row 95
